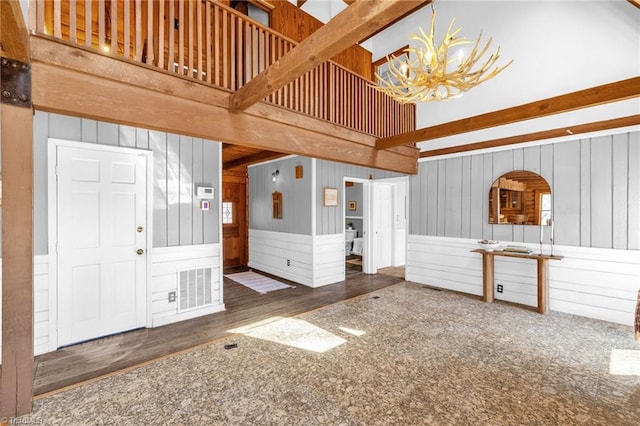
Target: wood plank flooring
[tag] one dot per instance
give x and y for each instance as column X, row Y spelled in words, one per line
column 78, row 363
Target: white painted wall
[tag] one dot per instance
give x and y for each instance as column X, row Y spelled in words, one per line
column 595, row 283
column 557, row 47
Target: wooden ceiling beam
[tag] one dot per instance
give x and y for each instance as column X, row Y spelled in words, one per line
column 598, row 95
column 615, row 123
column 264, row 127
column 14, row 36
column 251, row 159
column 75, row 93
column 347, row 28
column 636, row 3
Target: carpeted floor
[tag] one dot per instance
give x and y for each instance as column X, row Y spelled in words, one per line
column 404, row 355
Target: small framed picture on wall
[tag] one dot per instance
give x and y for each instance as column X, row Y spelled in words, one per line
column 353, row 205
column 330, row 197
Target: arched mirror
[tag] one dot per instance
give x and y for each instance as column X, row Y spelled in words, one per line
column 521, row 198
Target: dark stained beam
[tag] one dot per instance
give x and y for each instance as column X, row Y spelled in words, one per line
column 615, row 123
column 598, row 95
column 251, row 159
column 636, row 3
column 353, row 24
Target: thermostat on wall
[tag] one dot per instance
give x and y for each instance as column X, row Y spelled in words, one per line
column 204, row 193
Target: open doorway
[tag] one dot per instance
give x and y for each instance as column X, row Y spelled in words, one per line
column 354, row 226
column 389, row 223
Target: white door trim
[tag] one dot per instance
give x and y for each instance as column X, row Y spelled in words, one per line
column 367, row 252
column 52, row 232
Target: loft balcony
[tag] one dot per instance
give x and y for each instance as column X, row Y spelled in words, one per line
column 216, row 46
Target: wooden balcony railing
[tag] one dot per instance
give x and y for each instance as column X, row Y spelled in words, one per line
column 215, row 44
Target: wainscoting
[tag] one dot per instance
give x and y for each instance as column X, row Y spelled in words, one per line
column 197, row 262
column 41, row 311
column 304, row 259
column 595, row 283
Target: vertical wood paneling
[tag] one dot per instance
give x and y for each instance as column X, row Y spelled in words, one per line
column 466, row 198
column 142, row 138
column 620, row 164
column 198, row 180
column 585, row 193
column 432, row 198
column 634, row 191
column 89, row 130
column 186, row 190
column 453, row 185
column 595, row 193
column 108, row 133
column 173, row 190
column 566, row 176
column 127, row 136
column 158, row 144
column 211, row 176
column 181, row 25
column 601, row 192
column 168, row 178
column 150, row 41
column 479, row 196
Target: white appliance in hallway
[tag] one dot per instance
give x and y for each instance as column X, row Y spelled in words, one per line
column 101, row 230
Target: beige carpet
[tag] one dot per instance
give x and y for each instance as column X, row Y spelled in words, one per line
column 404, row 355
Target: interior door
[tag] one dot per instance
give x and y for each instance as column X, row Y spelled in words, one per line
column 383, row 213
column 234, row 221
column 101, row 242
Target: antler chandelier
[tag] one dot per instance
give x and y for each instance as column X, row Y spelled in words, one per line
column 428, row 74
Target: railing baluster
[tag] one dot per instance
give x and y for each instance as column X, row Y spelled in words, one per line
column 161, row 21
column 73, row 37
column 171, row 59
column 114, row 28
column 181, row 25
column 231, row 50
column 150, row 43
column 57, row 18
column 208, row 32
column 126, row 29
column 191, row 47
column 138, row 30
column 199, row 40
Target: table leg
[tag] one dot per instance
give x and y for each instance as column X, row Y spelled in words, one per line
column 487, row 277
column 543, row 286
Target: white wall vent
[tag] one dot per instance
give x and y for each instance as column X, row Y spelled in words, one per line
column 194, row 288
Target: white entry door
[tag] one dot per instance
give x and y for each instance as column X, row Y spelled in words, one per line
column 101, row 242
column 383, row 213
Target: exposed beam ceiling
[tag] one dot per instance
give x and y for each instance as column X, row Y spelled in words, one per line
column 636, row 3
column 251, row 159
column 353, row 24
column 83, row 83
column 615, row 123
column 612, row 92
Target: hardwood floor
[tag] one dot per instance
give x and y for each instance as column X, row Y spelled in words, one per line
column 78, row 363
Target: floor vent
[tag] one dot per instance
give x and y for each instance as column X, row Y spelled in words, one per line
column 195, row 288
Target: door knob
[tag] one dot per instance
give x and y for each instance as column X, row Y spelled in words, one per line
column 139, row 229
column 140, row 251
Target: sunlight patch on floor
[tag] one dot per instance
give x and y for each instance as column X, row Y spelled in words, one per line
column 624, row 362
column 292, row 332
column 352, row 331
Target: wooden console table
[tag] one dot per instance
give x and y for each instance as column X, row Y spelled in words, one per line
column 543, row 274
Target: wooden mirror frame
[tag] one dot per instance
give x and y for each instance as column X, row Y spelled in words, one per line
column 520, row 197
